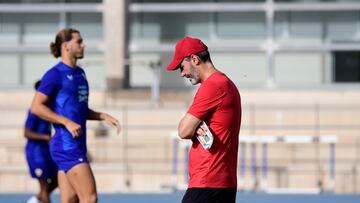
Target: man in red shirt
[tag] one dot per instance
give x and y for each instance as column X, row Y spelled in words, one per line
column 217, row 102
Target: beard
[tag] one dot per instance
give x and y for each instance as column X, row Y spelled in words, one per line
column 194, row 79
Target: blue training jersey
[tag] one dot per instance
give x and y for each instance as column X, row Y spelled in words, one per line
column 68, row 91
column 38, row 125
column 37, row 148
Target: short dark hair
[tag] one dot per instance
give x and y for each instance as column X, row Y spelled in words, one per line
column 204, row 56
column 37, row 84
column 62, row 36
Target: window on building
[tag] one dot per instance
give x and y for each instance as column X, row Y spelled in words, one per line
column 346, row 66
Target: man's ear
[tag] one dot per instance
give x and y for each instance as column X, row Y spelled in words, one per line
column 64, row 46
column 195, row 59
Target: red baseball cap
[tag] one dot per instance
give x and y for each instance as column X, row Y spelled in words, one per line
column 185, row 48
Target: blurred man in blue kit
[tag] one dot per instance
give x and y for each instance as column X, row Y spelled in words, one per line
column 41, row 166
column 62, row 99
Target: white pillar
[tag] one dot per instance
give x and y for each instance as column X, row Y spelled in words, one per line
column 116, row 41
column 270, row 44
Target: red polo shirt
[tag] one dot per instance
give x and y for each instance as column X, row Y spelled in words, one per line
column 217, row 102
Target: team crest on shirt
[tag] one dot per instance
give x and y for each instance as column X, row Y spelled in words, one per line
column 38, row 172
column 70, row 77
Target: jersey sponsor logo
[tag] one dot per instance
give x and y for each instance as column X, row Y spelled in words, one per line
column 83, row 98
column 83, row 93
column 70, row 77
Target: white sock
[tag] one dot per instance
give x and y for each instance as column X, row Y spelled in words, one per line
column 33, row 199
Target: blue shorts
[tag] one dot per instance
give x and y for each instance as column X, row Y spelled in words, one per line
column 66, row 161
column 41, row 166
column 41, row 170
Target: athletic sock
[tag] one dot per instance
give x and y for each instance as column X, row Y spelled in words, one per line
column 33, row 199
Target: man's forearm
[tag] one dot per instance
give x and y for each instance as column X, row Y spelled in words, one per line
column 93, row 115
column 35, row 136
column 187, row 126
column 47, row 114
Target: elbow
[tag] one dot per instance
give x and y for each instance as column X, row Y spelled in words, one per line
column 184, row 134
column 34, row 110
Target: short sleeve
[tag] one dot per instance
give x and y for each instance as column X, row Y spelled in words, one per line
column 206, row 100
column 50, row 82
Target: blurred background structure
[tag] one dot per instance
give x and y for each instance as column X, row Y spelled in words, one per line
column 295, row 62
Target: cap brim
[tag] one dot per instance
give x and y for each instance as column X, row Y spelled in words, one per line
column 173, row 65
